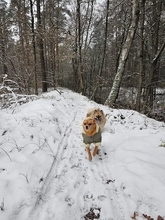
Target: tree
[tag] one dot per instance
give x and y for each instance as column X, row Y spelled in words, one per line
column 41, row 47
column 34, row 48
column 141, row 55
column 155, row 54
column 99, row 85
column 2, row 37
column 86, row 47
column 124, row 54
column 79, row 47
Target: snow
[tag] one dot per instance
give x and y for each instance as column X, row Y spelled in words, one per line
column 45, row 173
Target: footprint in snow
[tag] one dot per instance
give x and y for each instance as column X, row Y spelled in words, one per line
column 88, row 196
column 76, row 185
column 102, row 155
column 101, row 197
column 69, row 201
column 85, row 177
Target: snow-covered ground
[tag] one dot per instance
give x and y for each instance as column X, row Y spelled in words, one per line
column 45, row 173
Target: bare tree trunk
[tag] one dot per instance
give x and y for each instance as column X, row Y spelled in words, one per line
column 34, row 49
column 41, row 48
column 124, row 54
column 89, row 25
column 149, row 96
column 57, row 44
column 52, row 42
column 75, row 59
column 105, row 40
column 80, row 68
column 87, row 79
column 2, row 44
column 98, row 86
column 141, row 74
column 104, row 50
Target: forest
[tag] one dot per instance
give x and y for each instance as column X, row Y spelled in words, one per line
column 112, row 51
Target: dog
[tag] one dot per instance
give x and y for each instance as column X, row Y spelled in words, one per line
column 91, row 133
column 98, row 115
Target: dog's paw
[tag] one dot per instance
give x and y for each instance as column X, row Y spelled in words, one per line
column 95, row 151
column 90, row 158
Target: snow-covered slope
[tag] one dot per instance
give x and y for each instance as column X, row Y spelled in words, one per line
column 45, row 173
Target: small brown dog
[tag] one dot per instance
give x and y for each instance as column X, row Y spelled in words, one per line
column 98, row 115
column 91, row 134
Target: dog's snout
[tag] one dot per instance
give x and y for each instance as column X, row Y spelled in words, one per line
column 98, row 117
column 87, row 126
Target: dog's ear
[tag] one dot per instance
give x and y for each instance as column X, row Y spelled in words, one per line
column 88, row 115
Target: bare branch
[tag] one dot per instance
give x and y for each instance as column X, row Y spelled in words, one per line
column 159, row 53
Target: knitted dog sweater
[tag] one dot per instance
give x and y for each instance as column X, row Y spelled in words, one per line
column 95, row 139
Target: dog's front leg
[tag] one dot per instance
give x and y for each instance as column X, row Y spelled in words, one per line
column 95, row 151
column 89, row 153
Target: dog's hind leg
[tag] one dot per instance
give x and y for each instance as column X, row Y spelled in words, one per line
column 89, row 153
column 95, row 151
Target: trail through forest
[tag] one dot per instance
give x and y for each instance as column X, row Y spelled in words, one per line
column 45, row 173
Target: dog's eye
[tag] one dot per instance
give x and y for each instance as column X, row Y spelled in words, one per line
column 84, row 123
column 90, row 124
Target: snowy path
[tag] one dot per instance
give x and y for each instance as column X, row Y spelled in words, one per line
column 74, row 185
column 47, row 176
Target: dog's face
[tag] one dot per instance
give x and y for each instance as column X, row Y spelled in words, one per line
column 89, row 126
column 98, row 115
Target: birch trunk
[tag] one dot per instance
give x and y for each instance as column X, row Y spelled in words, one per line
column 124, row 54
column 34, row 49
